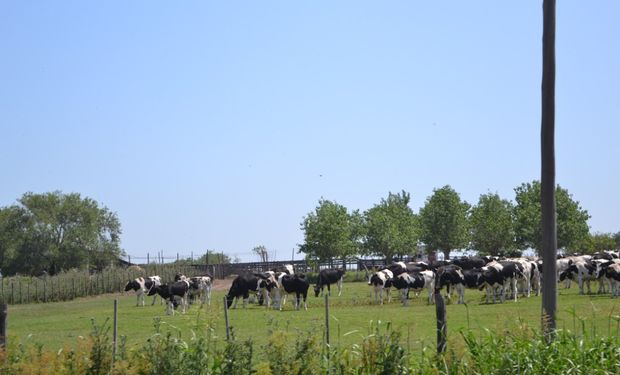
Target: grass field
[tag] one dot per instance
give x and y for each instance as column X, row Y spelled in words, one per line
column 56, row 325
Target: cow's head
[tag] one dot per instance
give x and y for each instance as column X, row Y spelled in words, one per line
column 132, row 285
column 317, row 290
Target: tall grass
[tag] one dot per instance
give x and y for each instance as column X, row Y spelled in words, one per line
column 379, row 351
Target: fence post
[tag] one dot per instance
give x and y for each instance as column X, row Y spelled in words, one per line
column 226, row 319
column 4, row 311
column 327, row 319
column 115, row 331
column 442, row 329
column 147, row 258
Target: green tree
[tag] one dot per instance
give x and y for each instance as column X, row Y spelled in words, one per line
column 331, row 232
column 617, row 239
column 572, row 220
column 593, row 243
column 55, row 231
column 444, row 221
column 492, row 227
column 391, row 227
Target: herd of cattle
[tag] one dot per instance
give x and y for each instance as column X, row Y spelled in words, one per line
column 502, row 278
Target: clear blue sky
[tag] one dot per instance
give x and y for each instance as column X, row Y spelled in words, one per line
column 219, row 125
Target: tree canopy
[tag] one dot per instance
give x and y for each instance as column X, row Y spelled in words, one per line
column 492, row 227
column 444, row 221
column 391, row 227
column 572, row 220
column 55, row 231
column 331, row 232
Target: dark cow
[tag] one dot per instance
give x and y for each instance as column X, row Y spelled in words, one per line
column 143, row 286
column 472, row 262
column 242, row 286
column 452, row 276
column 294, row 284
column 286, row 268
column 328, row 277
column 180, row 277
column 175, row 293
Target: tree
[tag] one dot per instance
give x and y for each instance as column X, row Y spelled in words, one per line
column 492, row 227
column 444, row 221
column 330, row 232
column 572, row 220
column 593, row 243
column 55, row 231
column 391, row 227
column 262, row 253
column 617, row 239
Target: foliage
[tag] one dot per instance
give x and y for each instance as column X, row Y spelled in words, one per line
column 593, row 243
column 492, row 227
column 54, row 231
column 262, row 253
column 444, row 221
column 331, row 232
column 572, row 220
column 391, row 227
column 209, row 257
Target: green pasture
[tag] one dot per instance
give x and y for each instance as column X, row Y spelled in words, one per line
column 60, row 324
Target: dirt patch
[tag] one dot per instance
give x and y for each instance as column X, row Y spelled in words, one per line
column 219, row 284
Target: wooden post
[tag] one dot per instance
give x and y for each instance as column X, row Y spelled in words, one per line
column 4, row 311
column 115, row 331
column 226, row 319
column 442, row 329
column 148, row 258
column 327, row 319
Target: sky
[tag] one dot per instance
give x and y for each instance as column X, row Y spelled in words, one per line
column 220, row 125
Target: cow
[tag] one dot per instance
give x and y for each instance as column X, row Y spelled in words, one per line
column 180, row 277
column 293, row 284
column 471, row 263
column 242, row 286
column 286, row 268
column 328, row 277
column 452, row 276
column 582, row 271
column 142, row 286
column 416, row 281
column 381, row 280
column 175, row 293
column 500, row 275
column 612, row 273
column 200, row 286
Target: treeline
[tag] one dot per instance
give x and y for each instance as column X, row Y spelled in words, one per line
column 50, row 232
column 493, row 226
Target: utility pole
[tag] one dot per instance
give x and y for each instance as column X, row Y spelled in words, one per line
column 547, row 185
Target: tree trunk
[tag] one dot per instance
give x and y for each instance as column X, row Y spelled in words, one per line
column 446, row 254
column 547, row 194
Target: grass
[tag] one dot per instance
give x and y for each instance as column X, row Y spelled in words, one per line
column 64, row 324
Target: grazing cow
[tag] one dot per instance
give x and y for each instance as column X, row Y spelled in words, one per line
column 175, row 293
column 500, row 275
column 293, row 284
column 142, row 286
column 286, row 268
column 381, row 280
column 452, row 276
column 416, row 281
column 582, row 271
column 180, row 277
column 200, row 286
column 471, row 263
column 328, row 277
column 242, row 286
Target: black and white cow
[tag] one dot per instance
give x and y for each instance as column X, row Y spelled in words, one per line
column 468, row 263
column 583, row 271
column 612, row 274
column 500, row 276
column 286, row 268
column 415, row 281
column 242, row 286
column 452, row 276
column 328, row 277
column 175, row 294
column 293, row 284
column 200, row 286
column 381, row 280
column 180, row 277
column 142, row 286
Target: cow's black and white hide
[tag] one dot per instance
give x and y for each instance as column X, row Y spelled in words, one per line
column 293, row 284
column 451, row 276
column 612, row 274
column 328, row 277
column 180, row 277
column 242, row 286
column 175, row 294
column 415, row 281
column 142, row 286
column 583, row 271
column 200, row 287
column 500, row 277
column 286, row 268
column 529, row 271
column 380, row 281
